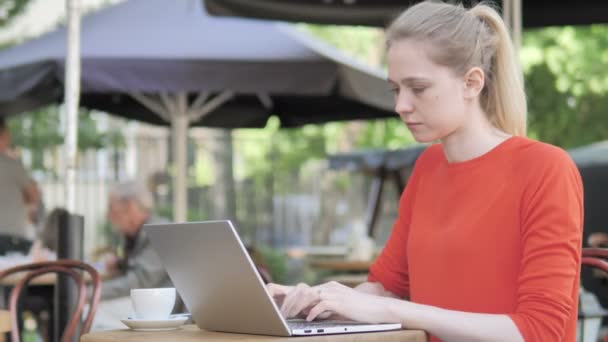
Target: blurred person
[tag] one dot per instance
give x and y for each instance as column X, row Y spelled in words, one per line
column 130, row 206
column 36, row 212
column 46, row 243
column 487, row 241
column 18, row 191
column 598, row 240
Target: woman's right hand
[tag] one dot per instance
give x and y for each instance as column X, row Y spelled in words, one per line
column 294, row 301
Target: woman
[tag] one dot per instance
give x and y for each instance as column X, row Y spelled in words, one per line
column 486, row 245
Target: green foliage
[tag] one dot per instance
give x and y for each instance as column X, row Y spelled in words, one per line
column 41, row 130
column 363, row 43
column 389, row 133
column 89, row 136
column 9, row 9
column 37, row 130
column 275, row 262
column 576, row 55
column 296, row 146
column 193, row 215
column 567, row 84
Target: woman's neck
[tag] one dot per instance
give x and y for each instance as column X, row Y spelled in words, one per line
column 473, row 140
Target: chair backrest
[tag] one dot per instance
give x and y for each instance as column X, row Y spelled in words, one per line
column 596, row 258
column 65, row 266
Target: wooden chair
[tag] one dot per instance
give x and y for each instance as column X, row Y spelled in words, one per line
column 596, row 258
column 69, row 267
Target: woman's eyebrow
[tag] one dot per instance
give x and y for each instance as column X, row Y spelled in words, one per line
column 414, row 79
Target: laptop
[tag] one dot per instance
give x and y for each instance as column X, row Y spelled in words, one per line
column 221, row 287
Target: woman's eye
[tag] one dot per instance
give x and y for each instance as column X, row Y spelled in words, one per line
column 418, row 90
column 395, row 90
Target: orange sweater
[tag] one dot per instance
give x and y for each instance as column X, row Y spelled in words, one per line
column 498, row 234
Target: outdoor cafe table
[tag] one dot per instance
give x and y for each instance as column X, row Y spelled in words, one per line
column 190, row 333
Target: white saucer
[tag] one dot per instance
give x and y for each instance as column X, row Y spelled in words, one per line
column 154, row 324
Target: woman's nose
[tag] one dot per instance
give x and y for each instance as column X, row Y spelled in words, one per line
column 404, row 105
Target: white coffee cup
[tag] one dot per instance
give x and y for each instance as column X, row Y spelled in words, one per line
column 154, row 303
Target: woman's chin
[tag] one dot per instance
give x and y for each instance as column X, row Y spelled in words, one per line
column 423, row 139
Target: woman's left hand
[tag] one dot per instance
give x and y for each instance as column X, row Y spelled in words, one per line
column 351, row 304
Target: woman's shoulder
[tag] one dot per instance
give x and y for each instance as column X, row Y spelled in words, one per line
column 531, row 153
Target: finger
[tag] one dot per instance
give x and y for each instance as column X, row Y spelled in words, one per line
column 290, row 300
column 306, row 300
column 306, row 297
column 334, row 285
column 324, row 315
column 277, row 293
column 278, row 290
column 317, row 310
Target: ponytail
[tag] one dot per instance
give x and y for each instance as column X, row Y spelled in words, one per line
column 506, row 98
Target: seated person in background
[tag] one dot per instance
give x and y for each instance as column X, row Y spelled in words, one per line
column 129, row 208
column 17, row 190
column 598, row 239
column 45, row 245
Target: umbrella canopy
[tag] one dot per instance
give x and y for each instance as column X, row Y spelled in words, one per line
column 536, row 13
column 141, row 49
column 167, row 61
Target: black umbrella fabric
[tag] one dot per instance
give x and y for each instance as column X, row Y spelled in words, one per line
column 536, row 13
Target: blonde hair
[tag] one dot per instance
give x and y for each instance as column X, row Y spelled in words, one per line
column 461, row 39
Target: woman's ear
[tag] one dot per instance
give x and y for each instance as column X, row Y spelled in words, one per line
column 474, row 80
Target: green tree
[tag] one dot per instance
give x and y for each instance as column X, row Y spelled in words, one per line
column 9, row 9
column 567, row 84
column 40, row 130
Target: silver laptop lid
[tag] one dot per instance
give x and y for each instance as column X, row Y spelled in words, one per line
column 216, row 278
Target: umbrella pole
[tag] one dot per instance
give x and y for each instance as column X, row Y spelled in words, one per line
column 175, row 109
column 512, row 16
column 179, row 130
column 517, row 24
column 71, row 99
column 71, row 228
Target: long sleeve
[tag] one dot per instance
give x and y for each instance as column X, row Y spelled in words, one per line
column 552, row 218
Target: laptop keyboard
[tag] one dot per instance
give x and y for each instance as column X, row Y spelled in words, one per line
column 298, row 323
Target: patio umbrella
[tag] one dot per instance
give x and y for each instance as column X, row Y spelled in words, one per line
column 535, row 13
column 168, row 62
column 517, row 14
